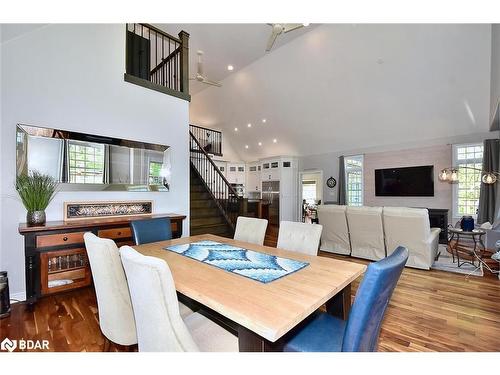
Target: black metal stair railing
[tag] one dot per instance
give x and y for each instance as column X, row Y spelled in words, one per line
column 209, row 139
column 224, row 195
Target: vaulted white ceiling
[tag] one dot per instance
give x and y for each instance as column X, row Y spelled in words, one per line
column 342, row 87
column 227, row 44
column 13, row 30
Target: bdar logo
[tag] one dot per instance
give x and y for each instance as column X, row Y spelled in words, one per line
column 8, row 344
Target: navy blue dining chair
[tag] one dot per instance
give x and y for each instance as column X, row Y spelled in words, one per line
column 151, row 230
column 325, row 333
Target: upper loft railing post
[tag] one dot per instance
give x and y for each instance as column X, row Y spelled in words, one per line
column 184, row 37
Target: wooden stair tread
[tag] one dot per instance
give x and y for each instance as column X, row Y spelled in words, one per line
column 205, row 216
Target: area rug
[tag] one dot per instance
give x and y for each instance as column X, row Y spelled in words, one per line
column 252, row 264
column 445, row 263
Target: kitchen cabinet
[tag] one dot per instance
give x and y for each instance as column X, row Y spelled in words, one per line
column 236, row 173
column 222, row 165
column 270, row 170
column 281, row 172
column 253, row 182
column 289, row 189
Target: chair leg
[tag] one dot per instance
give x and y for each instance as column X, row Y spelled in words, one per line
column 107, row 345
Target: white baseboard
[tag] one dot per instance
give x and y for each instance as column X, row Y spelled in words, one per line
column 18, row 297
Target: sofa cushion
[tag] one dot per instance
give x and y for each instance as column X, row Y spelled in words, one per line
column 366, row 232
column 335, row 236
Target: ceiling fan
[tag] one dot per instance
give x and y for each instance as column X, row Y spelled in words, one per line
column 199, row 73
column 281, row 28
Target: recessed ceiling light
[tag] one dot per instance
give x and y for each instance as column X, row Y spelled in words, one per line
column 230, row 67
column 264, row 120
column 246, row 146
column 235, row 129
column 305, row 24
column 275, row 140
column 260, row 143
column 249, row 125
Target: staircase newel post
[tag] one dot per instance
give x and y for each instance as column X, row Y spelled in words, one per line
column 184, row 37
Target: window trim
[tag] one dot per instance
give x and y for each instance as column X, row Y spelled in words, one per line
column 455, row 163
column 362, row 170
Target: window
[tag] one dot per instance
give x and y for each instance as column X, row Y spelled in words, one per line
column 354, row 179
column 466, row 191
column 155, row 177
column 309, row 191
column 86, row 162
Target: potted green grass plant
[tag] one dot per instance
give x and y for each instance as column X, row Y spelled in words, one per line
column 36, row 190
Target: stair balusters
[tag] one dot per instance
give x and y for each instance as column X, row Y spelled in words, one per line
column 224, row 195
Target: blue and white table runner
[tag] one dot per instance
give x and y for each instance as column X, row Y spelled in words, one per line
column 252, row 264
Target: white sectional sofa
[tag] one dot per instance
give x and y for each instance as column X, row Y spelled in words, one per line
column 366, row 232
column 335, row 235
column 375, row 232
column 410, row 227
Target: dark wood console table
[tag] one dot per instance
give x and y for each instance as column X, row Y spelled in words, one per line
column 55, row 253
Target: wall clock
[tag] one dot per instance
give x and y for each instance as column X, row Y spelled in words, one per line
column 331, row 182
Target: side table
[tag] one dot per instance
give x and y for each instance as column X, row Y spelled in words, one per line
column 468, row 245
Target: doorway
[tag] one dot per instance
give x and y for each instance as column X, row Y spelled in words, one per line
column 310, row 194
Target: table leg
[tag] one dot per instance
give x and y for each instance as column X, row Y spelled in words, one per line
column 340, row 304
column 452, row 250
column 249, row 341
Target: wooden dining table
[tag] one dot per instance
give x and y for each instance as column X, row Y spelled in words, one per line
column 262, row 314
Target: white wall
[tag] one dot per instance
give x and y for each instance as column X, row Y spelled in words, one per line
column 71, row 77
column 342, row 87
column 438, row 156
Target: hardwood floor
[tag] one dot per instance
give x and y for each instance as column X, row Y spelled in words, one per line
column 429, row 311
column 440, row 311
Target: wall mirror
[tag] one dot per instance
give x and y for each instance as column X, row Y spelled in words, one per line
column 86, row 162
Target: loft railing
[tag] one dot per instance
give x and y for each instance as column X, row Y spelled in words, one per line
column 157, row 60
column 209, row 139
column 226, row 198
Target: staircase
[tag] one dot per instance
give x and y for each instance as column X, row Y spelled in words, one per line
column 215, row 205
column 205, row 215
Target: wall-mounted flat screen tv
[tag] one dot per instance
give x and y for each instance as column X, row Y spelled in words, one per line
column 405, row 182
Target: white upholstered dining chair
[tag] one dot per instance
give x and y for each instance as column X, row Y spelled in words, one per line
column 300, row 237
column 249, row 229
column 160, row 327
column 116, row 318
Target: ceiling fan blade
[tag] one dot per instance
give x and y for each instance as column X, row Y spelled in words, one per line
column 287, row 27
column 213, row 83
